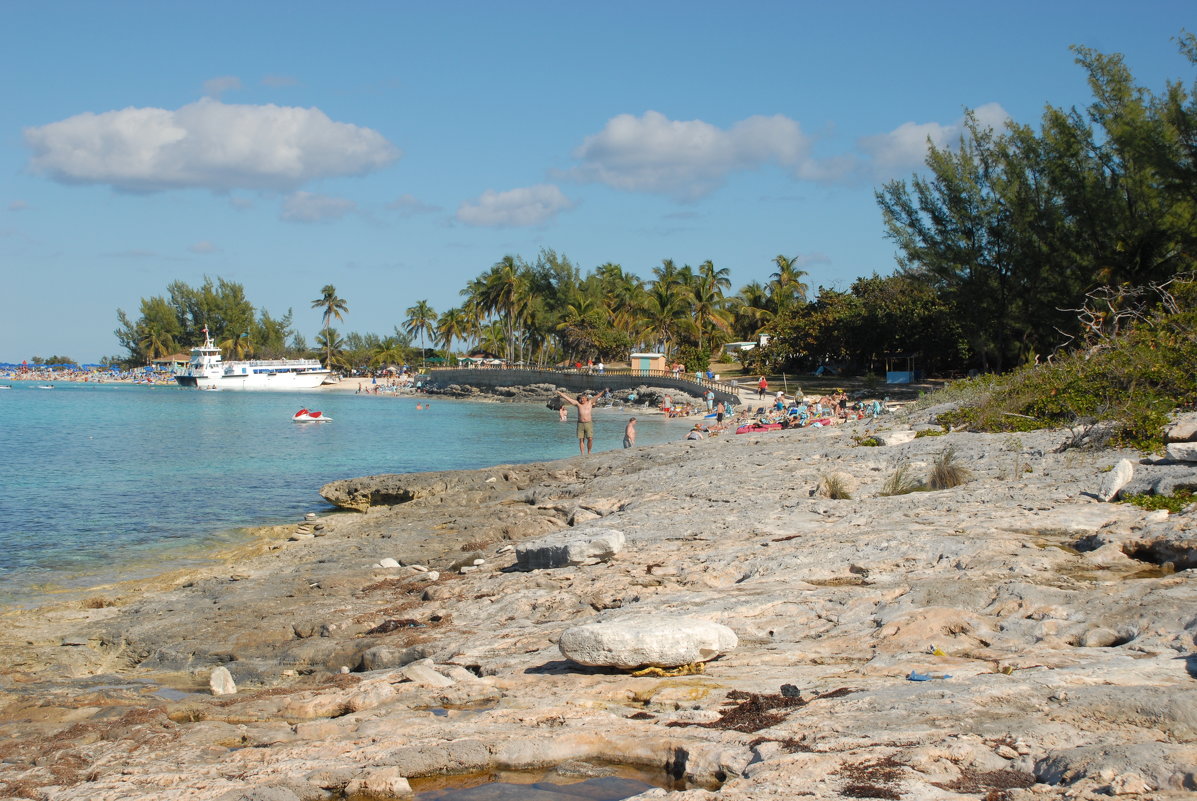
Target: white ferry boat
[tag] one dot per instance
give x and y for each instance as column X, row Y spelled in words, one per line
column 206, row 370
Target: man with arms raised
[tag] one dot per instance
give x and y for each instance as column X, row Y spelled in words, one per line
column 585, row 422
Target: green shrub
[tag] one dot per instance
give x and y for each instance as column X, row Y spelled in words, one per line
column 1173, row 503
column 1133, row 380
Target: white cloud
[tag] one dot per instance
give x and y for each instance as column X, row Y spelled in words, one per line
column 206, row 144
column 203, row 247
column 410, row 206
column 532, row 205
column 18, row 205
column 215, row 87
column 309, row 207
column 905, row 147
column 685, row 159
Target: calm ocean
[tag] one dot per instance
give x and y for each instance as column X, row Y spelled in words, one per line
column 107, row 482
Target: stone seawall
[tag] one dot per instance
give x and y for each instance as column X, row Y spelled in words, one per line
column 578, row 381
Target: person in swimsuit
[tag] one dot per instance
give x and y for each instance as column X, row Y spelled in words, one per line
column 585, row 422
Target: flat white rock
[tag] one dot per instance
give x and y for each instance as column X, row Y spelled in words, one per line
column 643, row 641
column 571, row 547
column 896, row 437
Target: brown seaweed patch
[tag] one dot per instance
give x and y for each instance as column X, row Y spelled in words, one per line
column 394, row 624
column 755, row 711
column 874, row 779
column 994, row 783
column 788, row 744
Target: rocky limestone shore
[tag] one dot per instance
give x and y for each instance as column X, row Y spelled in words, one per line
column 1013, row 637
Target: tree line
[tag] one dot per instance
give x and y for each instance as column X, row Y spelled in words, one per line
column 998, row 242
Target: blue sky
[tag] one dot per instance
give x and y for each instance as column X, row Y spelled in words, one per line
column 398, row 149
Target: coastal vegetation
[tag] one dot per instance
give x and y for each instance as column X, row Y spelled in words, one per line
column 176, row 321
column 1006, row 244
column 1135, row 361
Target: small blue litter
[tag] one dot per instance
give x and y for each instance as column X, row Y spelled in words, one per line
column 916, row 676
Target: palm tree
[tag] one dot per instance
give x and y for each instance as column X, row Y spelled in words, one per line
column 787, row 283
column 154, row 341
column 664, row 310
column 752, row 309
column 334, row 347
column 333, row 306
column 451, row 325
column 720, row 278
column 503, row 292
column 707, row 307
column 236, row 342
column 492, row 338
column 421, row 319
column 390, row 350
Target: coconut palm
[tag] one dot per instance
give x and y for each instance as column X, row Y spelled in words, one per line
column 421, row 319
column 493, row 337
column 154, row 341
column 333, row 307
column 707, row 307
column 751, row 309
column 503, row 293
column 787, row 284
column 236, row 342
column 451, row 325
column 389, row 350
column 665, row 311
column 334, row 347
column 720, row 278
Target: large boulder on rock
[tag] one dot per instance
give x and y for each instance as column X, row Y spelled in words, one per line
column 1183, row 428
column 635, row 642
column 1182, row 451
column 571, row 547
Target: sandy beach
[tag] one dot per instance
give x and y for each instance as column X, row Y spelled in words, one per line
column 1012, row 637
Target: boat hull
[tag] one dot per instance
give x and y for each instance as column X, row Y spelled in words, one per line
column 280, row 381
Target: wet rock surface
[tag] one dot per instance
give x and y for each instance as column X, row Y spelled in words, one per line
column 1056, row 633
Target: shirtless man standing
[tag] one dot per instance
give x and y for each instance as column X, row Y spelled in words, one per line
column 585, row 422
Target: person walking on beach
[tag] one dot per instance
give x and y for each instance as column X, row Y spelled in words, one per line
column 629, row 434
column 762, row 387
column 585, row 422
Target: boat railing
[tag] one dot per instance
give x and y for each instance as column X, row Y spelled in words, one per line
column 282, row 363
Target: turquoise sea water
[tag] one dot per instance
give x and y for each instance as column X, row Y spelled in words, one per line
column 108, row 482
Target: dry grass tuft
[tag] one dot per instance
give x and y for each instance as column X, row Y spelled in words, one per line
column 836, row 486
column 901, row 482
column 947, row 471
